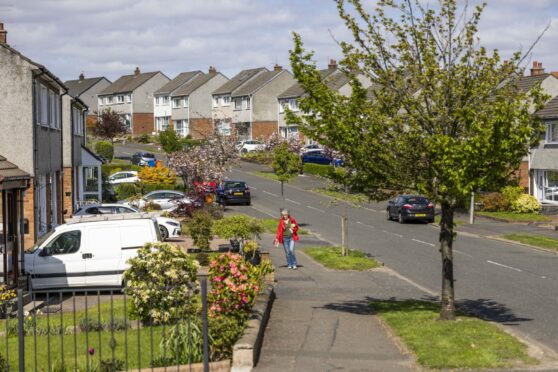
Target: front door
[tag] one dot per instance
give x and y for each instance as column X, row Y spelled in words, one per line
column 8, row 238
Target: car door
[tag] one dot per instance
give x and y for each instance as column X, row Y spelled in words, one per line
column 170, row 198
column 61, row 262
column 103, row 251
column 157, row 197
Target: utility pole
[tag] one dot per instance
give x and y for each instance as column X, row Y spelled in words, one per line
column 472, row 209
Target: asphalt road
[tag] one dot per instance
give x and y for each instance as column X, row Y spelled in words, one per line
column 507, row 283
column 125, row 151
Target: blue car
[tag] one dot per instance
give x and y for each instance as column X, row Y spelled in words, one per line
column 316, row 157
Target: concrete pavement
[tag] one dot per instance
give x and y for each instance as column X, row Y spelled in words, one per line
column 321, row 319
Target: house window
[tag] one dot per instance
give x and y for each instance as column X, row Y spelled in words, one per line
column 162, row 123
column 77, row 119
column 237, row 104
column 43, row 105
column 246, row 103
column 282, row 106
column 165, row 100
column 119, row 99
column 157, row 101
column 108, row 100
column 224, row 128
column 176, row 102
column 52, row 115
column 226, row 100
column 100, row 101
column 186, row 101
column 128, row 121
column 182, row 127
column 552, row 132
column 293, row 104
column 216, row 101
column 129, row 98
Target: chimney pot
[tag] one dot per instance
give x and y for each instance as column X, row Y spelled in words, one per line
column 81, row 77
column 277, row 67
column 537, row 68
column 332, row 64
column 137, row 71
column 3, row 34
column 212, row 69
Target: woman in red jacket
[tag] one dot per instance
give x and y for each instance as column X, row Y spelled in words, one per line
column 287, row 235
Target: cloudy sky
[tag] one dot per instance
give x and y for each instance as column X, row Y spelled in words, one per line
column 111, row 37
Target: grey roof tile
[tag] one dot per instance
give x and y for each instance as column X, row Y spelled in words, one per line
column 550, row 110
column 10, row 171
column 256, row 83
column 128, row 83
column 192, row 85
column 241, row 78
column 528, row 82
column 77, row 87
column 177, row 82
column 296, row 90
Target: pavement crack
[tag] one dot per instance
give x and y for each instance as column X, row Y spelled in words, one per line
column 335, row 328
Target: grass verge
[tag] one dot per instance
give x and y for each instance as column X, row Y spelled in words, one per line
column 468, row 343
column 540, row 241
column 266, row 174
column 331, row 258
column 456, row 222
column 270, row 226
column 516, row 217
column 340, row 195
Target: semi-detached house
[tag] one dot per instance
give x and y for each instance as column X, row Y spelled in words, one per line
column 87, row 90
column 132, row 97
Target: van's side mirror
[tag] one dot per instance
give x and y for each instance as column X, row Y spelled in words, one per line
column 46, row 252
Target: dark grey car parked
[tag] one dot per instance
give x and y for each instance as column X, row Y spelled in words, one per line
column 410, row 207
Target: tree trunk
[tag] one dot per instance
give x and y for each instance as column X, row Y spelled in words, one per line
column 447, row 312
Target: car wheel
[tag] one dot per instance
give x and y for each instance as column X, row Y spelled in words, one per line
column 243, row 151
column 248, row 203
column 388, row 215
column 401, row 219
column 431, row 220
column 164, row 232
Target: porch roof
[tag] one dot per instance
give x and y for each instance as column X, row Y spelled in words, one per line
column 89, row 159
column 10, row 171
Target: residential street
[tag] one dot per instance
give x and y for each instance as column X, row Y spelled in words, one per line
column 507, row 283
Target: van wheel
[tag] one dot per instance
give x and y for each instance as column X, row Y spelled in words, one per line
column 164, row 232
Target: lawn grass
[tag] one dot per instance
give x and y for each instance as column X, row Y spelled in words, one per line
column 331, row 258
column 340, row 195
column 270, row 226
column 468, row 343
column 456, row 222
column 540, row 241
column 266, row 174
column 516, row 217
column 116, row 161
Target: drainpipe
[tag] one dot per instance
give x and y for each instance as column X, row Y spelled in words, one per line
column 251, row 124
column 60, row 185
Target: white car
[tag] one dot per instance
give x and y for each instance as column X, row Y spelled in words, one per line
column 168, row 227
column 250, row 146
column 123, row 177
column 307, row 148
column 167, row 199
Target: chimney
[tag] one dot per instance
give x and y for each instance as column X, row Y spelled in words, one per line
column 332, row 64
column 555, row 74
column 81, row 77
column 3, row 35
column 212, row 69
column 137, row 71
column 277, row 67
column 537, row 68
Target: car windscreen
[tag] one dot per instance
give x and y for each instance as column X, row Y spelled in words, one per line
column 148, row 155
column 416, row 200
column 235, row 185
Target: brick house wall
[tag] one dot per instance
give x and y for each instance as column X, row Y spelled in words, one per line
column 200, row 128
column 67, row 193
column 142, row 123
column 262, row 130
column 523, row 175
column 29, row 215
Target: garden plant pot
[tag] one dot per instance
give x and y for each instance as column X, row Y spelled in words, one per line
column 224, row 248
column 235, row 246
column 254, row 258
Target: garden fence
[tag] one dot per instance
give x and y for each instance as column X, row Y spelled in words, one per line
column 93, row 330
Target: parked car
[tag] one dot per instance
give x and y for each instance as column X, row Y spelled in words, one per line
column 89, row 251
column 250, row 146
column 316, row 157
column 143, row 159
column 307, row 148
column 167, row 199
column 410, row 207
column 123, row 177
column 168, row 227
column 234, row 192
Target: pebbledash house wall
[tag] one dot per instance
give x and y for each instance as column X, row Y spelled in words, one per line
column 200, row 107
column 143, row 119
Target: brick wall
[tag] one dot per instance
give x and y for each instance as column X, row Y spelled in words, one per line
column 90, row 122
column 67, row 192
column 199, row 128
column 142, row 124
column 263, row 129
column 523, row 175
column 29, row 214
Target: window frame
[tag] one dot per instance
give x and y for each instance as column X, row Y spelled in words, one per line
column 549, row 131
column 120, row 98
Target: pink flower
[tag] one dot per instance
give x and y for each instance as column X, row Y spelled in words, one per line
column 218, row 279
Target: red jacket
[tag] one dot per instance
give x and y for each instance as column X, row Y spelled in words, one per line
column 281, row 227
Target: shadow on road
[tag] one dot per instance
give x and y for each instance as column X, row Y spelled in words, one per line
column 491, row 310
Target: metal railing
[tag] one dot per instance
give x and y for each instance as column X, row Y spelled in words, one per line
column 94, row 330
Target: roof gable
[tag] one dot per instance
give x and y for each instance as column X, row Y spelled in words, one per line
column 255, row 84
column 527, row 82
column 238, row 80
column 129, row 83
column 77, row 87
column 192, row 85
column 296, row 89
column 177, row 82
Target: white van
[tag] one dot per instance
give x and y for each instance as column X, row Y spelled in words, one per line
column 89, row 252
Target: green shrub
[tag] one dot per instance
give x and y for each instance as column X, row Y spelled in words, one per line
column 170, row 141
column 189, row 142
column 110, row 365
column 124, row 191
column 319, row 170
column 200, row 229
column 3, row 363
column 224, row 331
column 494, row 202
column 160, row 283
column 105, row 148
column 512, row 193
column 144, row 138
column 239, row 227
column 525, row 203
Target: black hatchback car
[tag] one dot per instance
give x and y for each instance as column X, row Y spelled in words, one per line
column 234, row 192
column 410, row 207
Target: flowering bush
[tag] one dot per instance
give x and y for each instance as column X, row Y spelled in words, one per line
column 494, row 202
column 161, row 281
column 525, row 204
column 6, row 294
column 157, row 175
column 234, row 287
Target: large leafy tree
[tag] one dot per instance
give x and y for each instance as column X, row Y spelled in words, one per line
column 442, row 116
column 286, row 164
column 109, row 125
